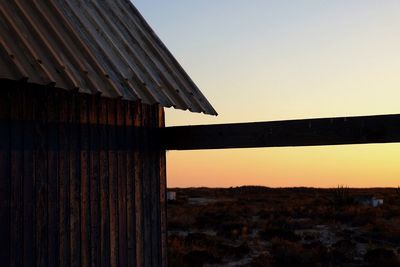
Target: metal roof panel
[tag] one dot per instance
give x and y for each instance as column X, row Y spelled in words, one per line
column 99, row 47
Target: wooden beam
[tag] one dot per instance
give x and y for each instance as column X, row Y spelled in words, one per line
column 307, row 132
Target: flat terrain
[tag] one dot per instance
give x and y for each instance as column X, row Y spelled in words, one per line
column 258, row 226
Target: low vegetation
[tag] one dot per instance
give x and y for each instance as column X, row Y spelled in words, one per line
column 258, row 226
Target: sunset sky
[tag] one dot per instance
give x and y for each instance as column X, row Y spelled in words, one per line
column 260, row 60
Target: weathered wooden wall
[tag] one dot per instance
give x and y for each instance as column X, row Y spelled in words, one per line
column 82, row 182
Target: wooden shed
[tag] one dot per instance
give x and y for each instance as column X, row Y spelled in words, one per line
column 83, row 85
column 82, row 173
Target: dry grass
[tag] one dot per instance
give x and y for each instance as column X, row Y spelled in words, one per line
column 256, row 226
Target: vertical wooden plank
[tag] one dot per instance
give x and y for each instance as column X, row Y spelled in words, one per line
column 85, row 190
column 137, row 121
column 104, row 186
column 113, row 181
column 52, row 180
column 163, row 188
column 94, row 181
column 159, row 186
column 5, row 185
column 74, row 176
column 130, row 184
column 122, row 190
column 64, row 184
column 146, row 187
column 29, row 180
column 16, row 245
column 41, row 177
column 154, row 187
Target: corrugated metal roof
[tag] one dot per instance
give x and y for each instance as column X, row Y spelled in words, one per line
column 99, row 47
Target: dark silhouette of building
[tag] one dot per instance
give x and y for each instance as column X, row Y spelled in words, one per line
column 82, row 177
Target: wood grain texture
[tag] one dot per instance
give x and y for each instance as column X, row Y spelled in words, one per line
column 130, row 185
column 122, row 190
column 81, row 180
column 137, row 120
column 162, row 192
column 154, row 188
column 16, row 201
column 104, row 186
column 41, row 176
column 29, row 184
column 53, row 180
column 146, row 197
column 85, row 183
column 94, row 182
column 64, row 180
column 5, row 182
column 113, row 182
column 75, row 184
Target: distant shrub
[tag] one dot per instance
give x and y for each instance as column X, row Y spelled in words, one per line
column 361, row 239
column 381, row 257
column 263, row 260
column 213, row 217
column 233, row 252
column 341, row 196
column 176, row 242
column 315, row 245
column 311, row 236
column 178, row 219
column 241, row 251
column 232, row 230
column 343, row 251
column 388, row 230
column 198, row 258
column 175, row 258
column 275, row 232
column 352, row 214
column 287, row 254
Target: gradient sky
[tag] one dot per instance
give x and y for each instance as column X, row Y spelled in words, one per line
column 261, row 60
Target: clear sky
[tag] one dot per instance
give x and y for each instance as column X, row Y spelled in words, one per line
column 260, row 60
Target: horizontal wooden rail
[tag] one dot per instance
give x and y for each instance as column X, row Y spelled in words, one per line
column 306, row 132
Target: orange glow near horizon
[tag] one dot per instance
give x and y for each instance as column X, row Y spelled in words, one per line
column 278, row 60
column 374, row 165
